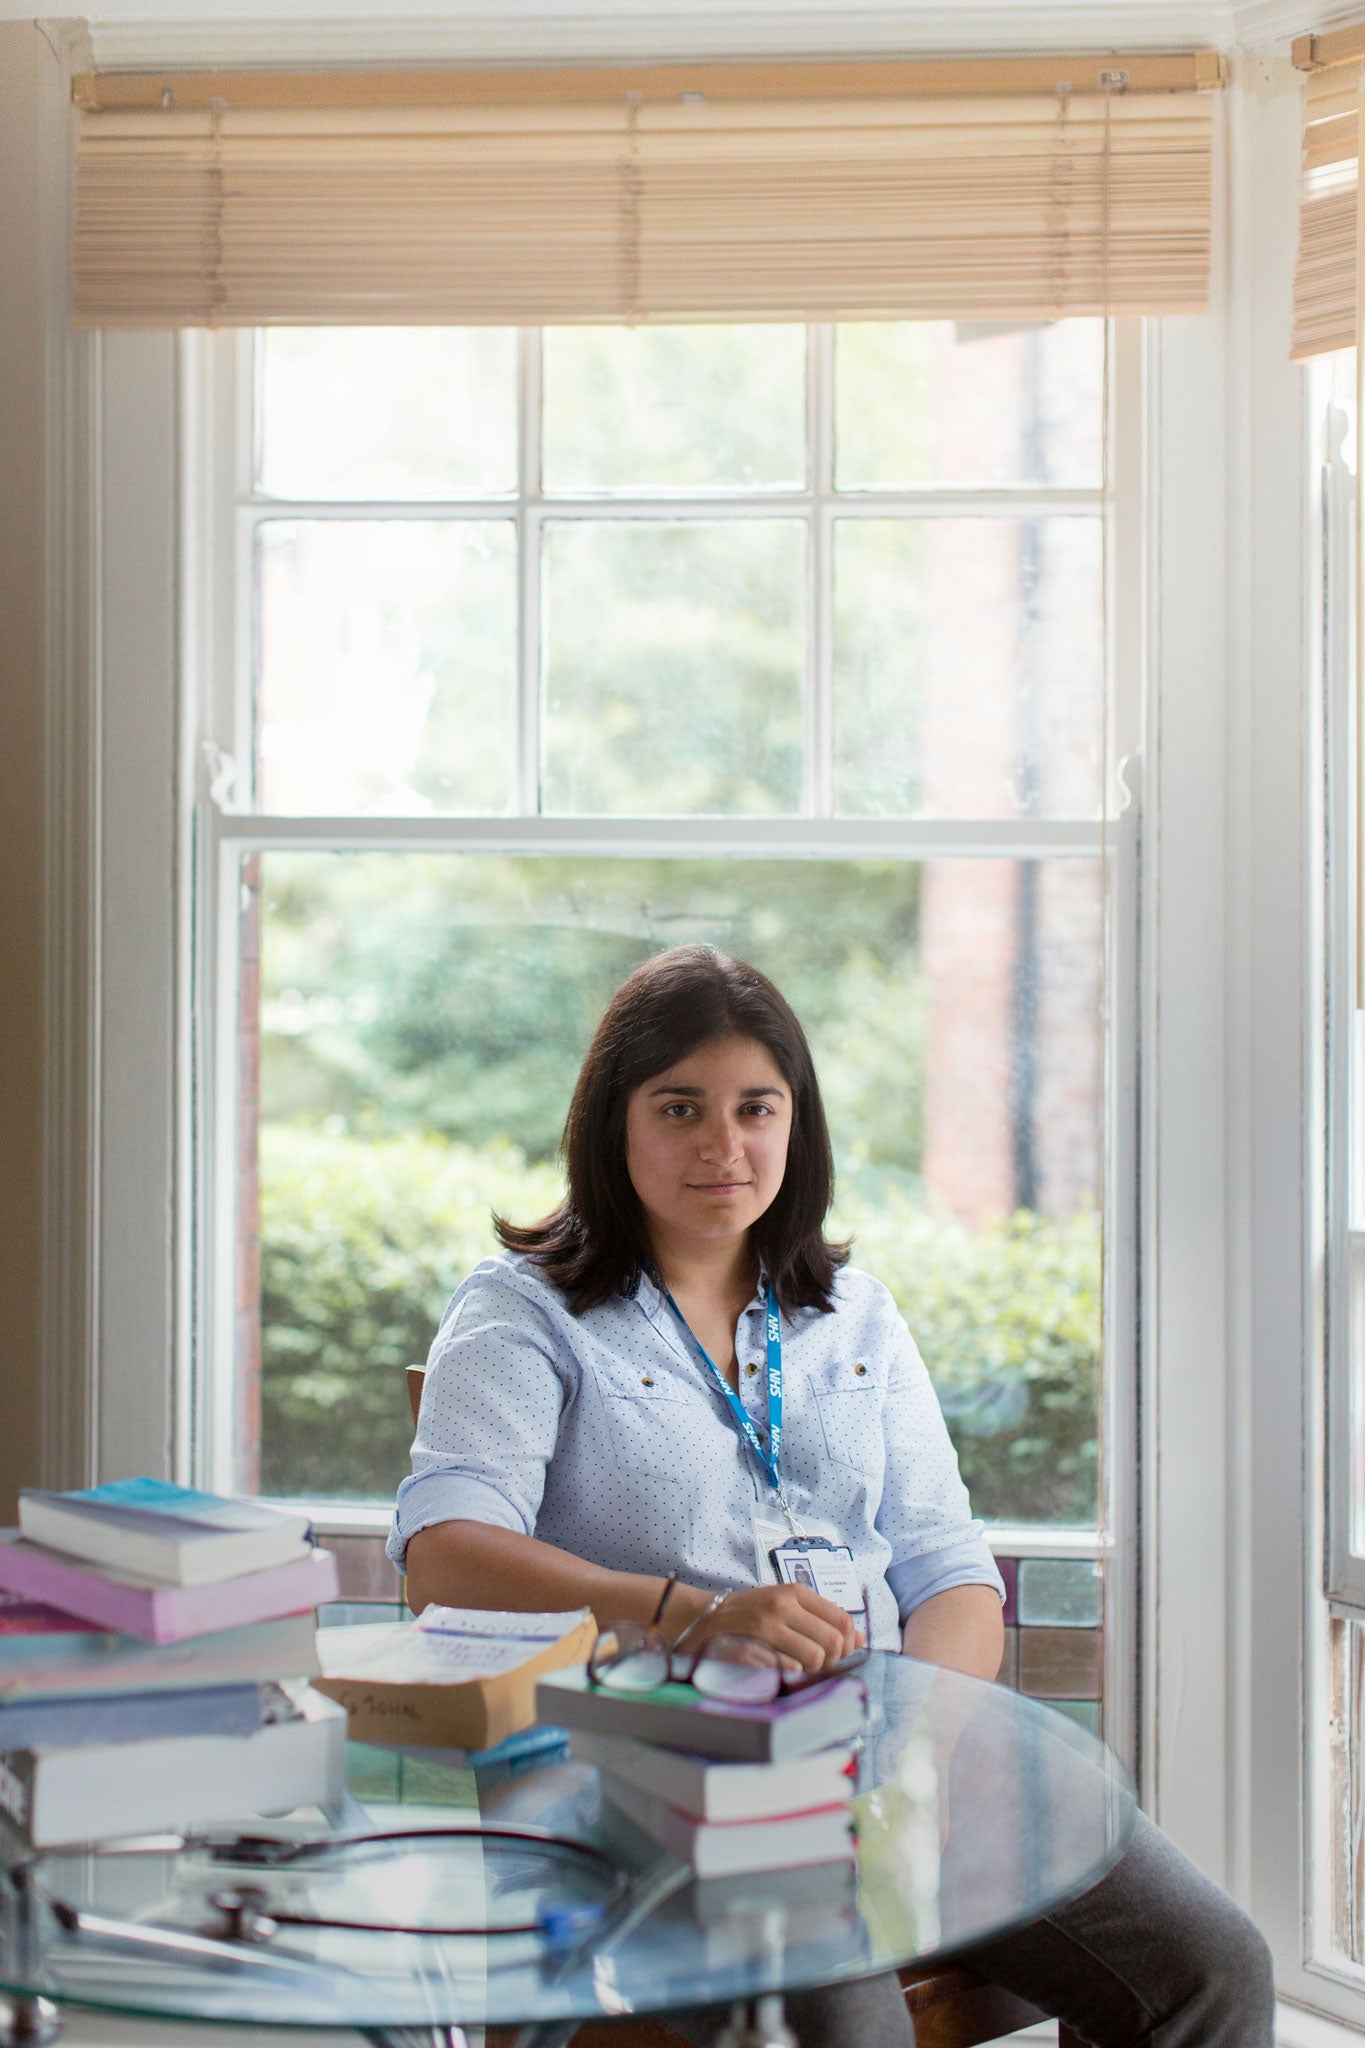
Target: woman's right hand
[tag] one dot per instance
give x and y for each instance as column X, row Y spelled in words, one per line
column 807, row 1631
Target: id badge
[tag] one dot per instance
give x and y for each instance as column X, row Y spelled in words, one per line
column 827, row 1568
column 771, row 1532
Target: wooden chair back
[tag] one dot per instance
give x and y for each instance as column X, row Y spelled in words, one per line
column 414, row 1374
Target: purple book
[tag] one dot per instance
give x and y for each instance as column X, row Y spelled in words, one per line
column 162, row 1614
column 675, row 1717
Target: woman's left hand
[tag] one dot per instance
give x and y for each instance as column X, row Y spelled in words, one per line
column 807, row 1631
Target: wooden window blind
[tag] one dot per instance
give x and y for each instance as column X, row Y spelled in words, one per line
column 1325, row 275
column 779, row 192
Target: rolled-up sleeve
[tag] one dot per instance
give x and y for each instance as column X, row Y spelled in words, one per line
column 925, row 1513
column 495, row 1389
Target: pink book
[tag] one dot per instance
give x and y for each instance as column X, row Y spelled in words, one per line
column 162, row 1614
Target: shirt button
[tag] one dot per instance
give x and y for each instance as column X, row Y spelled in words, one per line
column 645, row 1380
column 860, row 1370
column 751, row 1370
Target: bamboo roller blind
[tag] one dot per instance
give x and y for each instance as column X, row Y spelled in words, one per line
column 645, row 207
column 1325, row 276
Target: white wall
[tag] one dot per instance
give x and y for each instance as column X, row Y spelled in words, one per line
column 34, row 119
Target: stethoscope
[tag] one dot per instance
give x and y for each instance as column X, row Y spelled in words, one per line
column 249, row 1916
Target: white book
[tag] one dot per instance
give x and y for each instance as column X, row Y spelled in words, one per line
column 170, row 1535
column 717, row 1791
column 54, row 1796
column 726, row 1848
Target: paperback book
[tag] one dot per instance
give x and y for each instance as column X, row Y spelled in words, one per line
column 676, row 1717
column 50, row 1797
column 726, row 1848
column 718, row 1791
column 138, row 1606
column 173, row 1535
column 458, row 1677
column 132, row 1716
column 48, row 1655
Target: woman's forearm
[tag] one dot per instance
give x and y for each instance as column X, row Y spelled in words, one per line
column 474, row 1564
column 960, row 1628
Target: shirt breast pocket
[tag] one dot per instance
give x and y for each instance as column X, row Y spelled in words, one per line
column 652, row 1430
column 851, row 1419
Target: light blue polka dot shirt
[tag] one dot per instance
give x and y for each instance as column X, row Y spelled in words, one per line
column 606, row 1435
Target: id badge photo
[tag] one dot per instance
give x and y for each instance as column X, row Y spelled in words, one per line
column 827, row 1568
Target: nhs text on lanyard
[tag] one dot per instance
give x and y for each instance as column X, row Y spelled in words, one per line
column 770, row 1458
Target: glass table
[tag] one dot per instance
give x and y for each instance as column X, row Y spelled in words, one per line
column 977, row 1811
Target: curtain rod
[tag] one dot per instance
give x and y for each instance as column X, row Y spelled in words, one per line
column 197, row 91
column 1324, row 53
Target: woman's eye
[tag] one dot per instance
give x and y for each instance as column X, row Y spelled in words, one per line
column 677, row 1111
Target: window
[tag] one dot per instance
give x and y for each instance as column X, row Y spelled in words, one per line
column 536, row 651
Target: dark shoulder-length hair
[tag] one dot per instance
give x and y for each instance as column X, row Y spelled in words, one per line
column 596, row 1243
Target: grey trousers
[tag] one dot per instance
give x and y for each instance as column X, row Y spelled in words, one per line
column 1154, row 1953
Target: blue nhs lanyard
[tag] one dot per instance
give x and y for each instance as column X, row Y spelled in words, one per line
column 771, row 1458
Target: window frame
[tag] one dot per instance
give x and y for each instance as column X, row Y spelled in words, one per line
column 218, row 381
column 1343, row 1193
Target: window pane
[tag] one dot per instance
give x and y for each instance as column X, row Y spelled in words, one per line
column 674, row 408
column 927, row 402
column 421, row 1023
column 387, row 412
column 967, row 667
column 673, row 662
column 387, row 665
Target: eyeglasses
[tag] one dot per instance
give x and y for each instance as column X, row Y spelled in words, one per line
column 631, row 1658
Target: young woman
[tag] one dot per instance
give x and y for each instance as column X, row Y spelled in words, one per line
column 676, row 1371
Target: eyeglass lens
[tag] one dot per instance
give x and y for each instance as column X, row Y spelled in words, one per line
column 628, row 1657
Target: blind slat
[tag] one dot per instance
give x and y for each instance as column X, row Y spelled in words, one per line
column 980, row 208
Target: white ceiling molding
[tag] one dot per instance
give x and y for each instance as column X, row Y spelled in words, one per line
column 1260, row 22
column 324, row 32
column 296, row 32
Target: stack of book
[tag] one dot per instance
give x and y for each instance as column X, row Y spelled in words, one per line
column 726, row 1788
column 155, row 1644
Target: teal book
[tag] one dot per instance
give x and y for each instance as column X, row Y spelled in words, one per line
column 171, row 1535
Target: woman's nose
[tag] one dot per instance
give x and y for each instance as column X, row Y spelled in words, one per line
column 721, row 1139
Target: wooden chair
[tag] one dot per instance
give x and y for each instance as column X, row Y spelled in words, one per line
column 414, row 1375
column 950, row 2007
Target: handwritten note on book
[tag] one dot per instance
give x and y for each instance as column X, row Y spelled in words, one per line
column 469, row 1642
column 445, row 1646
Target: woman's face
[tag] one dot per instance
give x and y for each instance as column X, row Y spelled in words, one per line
column 706, row 1141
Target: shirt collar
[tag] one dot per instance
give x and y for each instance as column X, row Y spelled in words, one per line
column 654, row 1301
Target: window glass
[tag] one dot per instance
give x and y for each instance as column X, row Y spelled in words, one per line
column 387, row 412
column 928, row 402
column 387, row 665
column 787, row 666
column 421, row 1022
column 967, row 667
column 674, row 654
column 674, row 408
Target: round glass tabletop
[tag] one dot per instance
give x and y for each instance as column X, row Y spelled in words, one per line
column 977, row 1810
